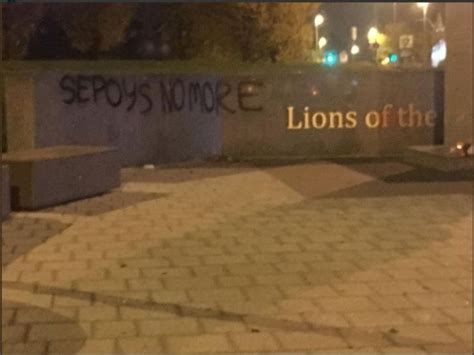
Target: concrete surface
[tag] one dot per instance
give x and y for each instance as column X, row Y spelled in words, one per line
column 346, row 257
column 248, row 114
column 439, row 157
column 458, row 78
column 54, row 175
column 6, row 206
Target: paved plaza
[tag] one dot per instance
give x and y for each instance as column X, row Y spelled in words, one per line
column 341, row 257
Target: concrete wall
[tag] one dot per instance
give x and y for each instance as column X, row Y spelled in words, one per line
column 159, row 118
column 458, row 87
column 366, row 97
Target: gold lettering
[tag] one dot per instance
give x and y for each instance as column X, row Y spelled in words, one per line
column 332, row 118
column 306, row 118
column 351, row 118
column 369, row 119
column 414, row 114
column 291, row 124
column 386, row 114
column 315, row 120
column 401, row 114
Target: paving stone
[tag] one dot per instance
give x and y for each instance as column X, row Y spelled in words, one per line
column 254, row 342
column 13, row 333
column 222, row 294
column 460, row 314
column 213, row 267
column 346, row 304
column 184, row 283
column 100, row 312
column 132, row 313
column 32, row 347
column 139, row 345
column 427, row 316
column 280, row 279
column 89, row 346
column 197, row 343
column 145, row 284
column 114, row 329
column 169, row 326
column 40, row 315
column 231, row 281
column 374, row 318
column 421, row 335
column 102, row 285
column 57, row 331
column 222, row 326
column 462, row 331
column 308, row 341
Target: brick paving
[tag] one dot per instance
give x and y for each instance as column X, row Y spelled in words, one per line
column 310, row 257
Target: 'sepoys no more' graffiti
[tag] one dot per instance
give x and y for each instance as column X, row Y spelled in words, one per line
column 174, row 94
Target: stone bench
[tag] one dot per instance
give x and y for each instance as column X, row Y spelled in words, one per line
column 50, row 176
column 6, row 206
column 438, row 157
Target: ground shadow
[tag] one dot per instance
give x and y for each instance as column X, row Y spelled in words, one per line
column 174, row 175
column 14, row 313
column 180, row 310
column 22, row 234
column 109, row 202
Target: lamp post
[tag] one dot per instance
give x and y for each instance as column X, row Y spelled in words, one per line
column 424, row 7
column 372, row 38
column 318, row 21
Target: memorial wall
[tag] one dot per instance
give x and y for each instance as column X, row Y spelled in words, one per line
column 168, row 118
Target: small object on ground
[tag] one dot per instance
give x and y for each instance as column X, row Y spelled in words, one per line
column 464, row 149
column 393, row 330
column 254, row 330
column 149, row 167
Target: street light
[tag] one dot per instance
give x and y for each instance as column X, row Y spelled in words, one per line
column 372, row 35
column 424, row 7
column 355, row 49
column 322, row 42
column 318, row 21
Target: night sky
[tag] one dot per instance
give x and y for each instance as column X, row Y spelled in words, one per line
column 340, row 17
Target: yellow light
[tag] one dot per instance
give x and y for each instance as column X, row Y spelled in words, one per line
column 380, row 39
column 423, row 5
column 322, row 42
column 386, row 61
column 372, row 35
column 355, row 49
column 459, row 145
column 318, row 20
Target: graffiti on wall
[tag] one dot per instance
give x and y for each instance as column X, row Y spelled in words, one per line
column 167, row 95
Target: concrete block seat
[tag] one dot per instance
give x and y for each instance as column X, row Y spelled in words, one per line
column 438, row 157
column 49, row 176
column 6, row 206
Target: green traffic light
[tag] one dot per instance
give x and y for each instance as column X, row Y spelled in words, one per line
column 330, row 58
column 393, row 58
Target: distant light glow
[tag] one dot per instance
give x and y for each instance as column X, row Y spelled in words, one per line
column 343, row 57
column 330, row 58
column 386, row 61
column 355, row 49
column 322, row 42
column 372, row 35
column 318, row 20
column 438, row 53
column 423, row 5
column 393, row 57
